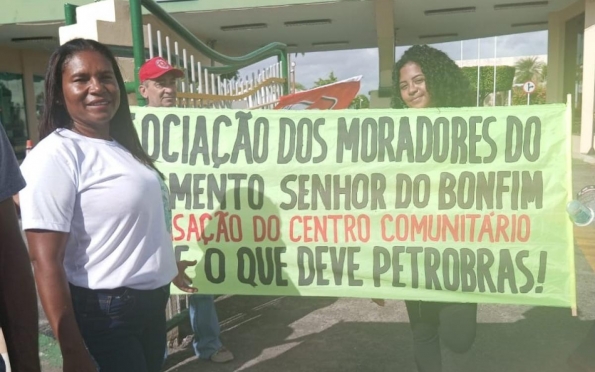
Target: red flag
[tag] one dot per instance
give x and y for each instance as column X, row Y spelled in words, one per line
column 335, row 96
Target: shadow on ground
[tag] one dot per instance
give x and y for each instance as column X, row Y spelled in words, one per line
column 541, row 341
column 317, row 334
column 287, row 334
column 249, row 325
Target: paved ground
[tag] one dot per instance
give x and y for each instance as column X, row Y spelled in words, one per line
column 277, row 334
column 272, row 334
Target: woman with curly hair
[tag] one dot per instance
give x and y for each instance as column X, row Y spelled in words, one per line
column 444, row 84
column 426, row 77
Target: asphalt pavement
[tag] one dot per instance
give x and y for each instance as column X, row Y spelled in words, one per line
column 276, row 334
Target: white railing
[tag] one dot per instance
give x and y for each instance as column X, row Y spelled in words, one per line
column 201, row 89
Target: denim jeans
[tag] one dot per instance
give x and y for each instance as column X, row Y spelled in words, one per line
column 205, row 325
column 454, row 324
column 123, row 328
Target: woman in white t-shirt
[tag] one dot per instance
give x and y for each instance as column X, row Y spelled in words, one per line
column 94, row 219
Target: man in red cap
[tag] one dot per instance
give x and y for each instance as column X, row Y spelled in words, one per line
column 158, row 87
column 158, row 82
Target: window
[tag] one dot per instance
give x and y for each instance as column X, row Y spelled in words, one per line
column 12, row 111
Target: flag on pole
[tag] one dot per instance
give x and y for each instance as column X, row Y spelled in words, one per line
column 335, row 96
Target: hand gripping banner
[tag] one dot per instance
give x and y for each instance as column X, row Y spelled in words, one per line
column 456, row 205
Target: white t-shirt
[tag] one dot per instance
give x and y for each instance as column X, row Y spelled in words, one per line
column 108, row 202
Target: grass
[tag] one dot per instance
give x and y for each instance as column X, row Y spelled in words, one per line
column 49, row 352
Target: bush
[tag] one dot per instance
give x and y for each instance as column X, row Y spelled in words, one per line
column 504, row 79
column 538, row 97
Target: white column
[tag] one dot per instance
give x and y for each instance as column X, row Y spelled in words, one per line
column 385, row 34
column 478, row 68
column 555, row 59
column 588, row 79
column 29, row 91
column 495, row 73
column 377, row 102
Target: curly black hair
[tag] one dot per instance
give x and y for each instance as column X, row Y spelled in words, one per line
column 445, row 81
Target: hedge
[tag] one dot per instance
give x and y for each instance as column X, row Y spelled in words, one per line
column 504, row 78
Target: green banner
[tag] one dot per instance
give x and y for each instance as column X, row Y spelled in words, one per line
column 456, row 205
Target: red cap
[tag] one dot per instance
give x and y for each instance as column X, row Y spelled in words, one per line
column 156, row 67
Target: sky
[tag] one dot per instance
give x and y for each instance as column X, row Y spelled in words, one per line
column 348, row 63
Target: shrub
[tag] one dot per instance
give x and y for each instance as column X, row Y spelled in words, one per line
column 504, row 79
column 538, row 97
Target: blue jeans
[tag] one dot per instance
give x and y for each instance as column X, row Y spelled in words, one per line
column 123, row 328
column 205, row 325
column 454, row 324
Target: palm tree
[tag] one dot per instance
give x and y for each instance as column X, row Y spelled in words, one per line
column 528, row 69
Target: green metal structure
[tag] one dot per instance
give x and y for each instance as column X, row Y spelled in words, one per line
column 232, row 63
column 69, row 14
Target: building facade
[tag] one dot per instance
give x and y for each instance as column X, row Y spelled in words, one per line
column 29, row 32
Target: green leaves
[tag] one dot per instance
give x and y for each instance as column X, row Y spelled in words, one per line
column 331, row 79
column 360, row 102
column 504, row 78
column 530, row 69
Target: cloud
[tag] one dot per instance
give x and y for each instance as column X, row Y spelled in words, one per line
column 348, row 63
column 344, row 64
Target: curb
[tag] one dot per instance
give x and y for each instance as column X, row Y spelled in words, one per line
column 585, row 158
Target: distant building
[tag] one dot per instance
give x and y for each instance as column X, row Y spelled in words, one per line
column 30, row 31
column 504, row 61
